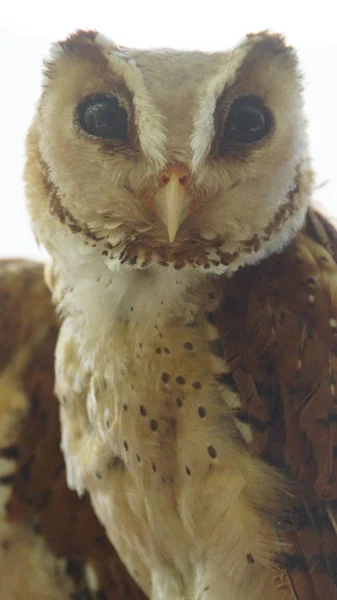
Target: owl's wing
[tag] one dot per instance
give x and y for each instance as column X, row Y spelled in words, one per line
column 51, row 544
column 278, row 324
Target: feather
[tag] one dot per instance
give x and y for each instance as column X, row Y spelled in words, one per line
column 55, row 540
column 278, row 321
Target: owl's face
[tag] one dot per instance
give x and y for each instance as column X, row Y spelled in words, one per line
column 162, row 158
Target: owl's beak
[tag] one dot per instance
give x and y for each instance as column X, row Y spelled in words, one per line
column 172, row 199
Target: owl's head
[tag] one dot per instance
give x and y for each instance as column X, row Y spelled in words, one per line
column 168, row 159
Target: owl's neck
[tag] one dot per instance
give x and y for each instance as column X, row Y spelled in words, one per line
column 99, row 299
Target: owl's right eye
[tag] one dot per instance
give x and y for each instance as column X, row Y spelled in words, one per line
column 103, row 116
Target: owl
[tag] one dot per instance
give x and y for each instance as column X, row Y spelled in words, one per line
column 197, row 290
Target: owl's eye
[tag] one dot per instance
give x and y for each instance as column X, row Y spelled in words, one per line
column 248, row 121
column 103, row 116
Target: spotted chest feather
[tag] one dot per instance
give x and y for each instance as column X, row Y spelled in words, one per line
column 151, row 427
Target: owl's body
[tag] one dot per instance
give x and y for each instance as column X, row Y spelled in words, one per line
column 186, row 367
column 165, row 463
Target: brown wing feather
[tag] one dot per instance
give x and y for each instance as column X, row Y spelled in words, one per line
column 77, row 559
column 279, row 331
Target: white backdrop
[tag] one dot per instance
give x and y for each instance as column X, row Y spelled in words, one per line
column 28, row 27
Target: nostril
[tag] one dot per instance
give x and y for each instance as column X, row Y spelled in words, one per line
column 164, row 179
column 183, row 180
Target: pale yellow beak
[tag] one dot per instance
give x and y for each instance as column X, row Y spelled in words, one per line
column 172, row 200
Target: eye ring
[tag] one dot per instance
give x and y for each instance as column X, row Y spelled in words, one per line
column 104, row 116
column 248, row 121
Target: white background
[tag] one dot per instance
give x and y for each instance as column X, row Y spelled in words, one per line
column 28, row 27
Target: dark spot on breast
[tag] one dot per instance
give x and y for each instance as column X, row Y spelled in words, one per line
column 179, row 402
column 158, row 350
column 5, row 544
column 212, row 451
column 131, row 308
column 126, row 445
column 105, row 253
column 98, row 475
column 197, row 385
column 250, row 558
column 142, row 410
column 154, row 467
column 138, row 457
column 188, row 346
column 211, row 296
column 166, row 350
column 180, row 380
column 163, row 263
column 165, row 377
column 125, row 406
column 188, row 471
column 201, row 412
column 154, row 424
column 117, row 463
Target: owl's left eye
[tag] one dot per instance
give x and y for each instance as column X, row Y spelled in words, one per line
column 248, row 121
column 103, row 116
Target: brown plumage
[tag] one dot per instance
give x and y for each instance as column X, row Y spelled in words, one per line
column 279, row 333
column 37, row 508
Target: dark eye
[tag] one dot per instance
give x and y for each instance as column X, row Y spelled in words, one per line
column 104, row 117
column 248, row 121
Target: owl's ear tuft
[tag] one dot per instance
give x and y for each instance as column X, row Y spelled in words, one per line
column 80, row 43
column 78, row 39
column 271, row 47
column 266, row 54
column 270, row 43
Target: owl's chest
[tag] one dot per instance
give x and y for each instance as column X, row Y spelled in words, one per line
column 148, row 429
column 156, row 398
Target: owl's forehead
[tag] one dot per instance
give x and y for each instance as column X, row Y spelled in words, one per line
column 176, row 83
column 174, row 73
